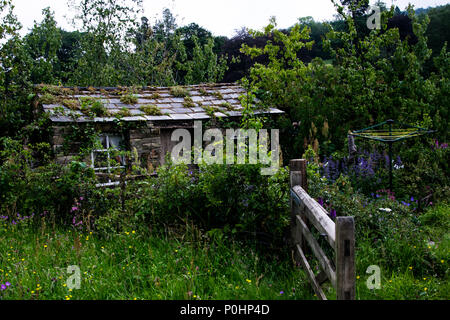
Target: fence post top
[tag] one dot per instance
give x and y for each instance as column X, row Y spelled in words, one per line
column 297, row 164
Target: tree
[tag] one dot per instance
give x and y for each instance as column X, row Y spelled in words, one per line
column 43, row 44
column 15, row 107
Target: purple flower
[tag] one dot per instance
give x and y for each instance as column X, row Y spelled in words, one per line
column 3, row 287
column 333, row 213
column 74, row 209
column 14, row 222
column 281, row 292
column 320, row 201
column 81, row 198
column 7, row 283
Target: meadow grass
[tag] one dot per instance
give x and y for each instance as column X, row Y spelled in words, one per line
column 136, row 264
column 133, row 265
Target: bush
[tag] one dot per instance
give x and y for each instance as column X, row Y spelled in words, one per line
column 235, row 199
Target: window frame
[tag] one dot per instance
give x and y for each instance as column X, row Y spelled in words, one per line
column 107, row 151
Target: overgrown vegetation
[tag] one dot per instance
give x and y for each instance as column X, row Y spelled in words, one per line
column 227, row 226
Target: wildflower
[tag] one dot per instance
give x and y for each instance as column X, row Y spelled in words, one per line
column 410, row 268
column 7, row 284
column 442, row 261
column 133, row 232
column 425, row 289
column 237, row 287
column 74, row 209
column 281, row 292
column 333, row 213
column 248, row 281
column 357, row 277
column 45, row 246
column 3, row 287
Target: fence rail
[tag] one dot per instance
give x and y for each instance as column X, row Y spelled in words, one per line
column 306, row 213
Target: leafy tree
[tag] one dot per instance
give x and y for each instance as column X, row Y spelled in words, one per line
column 43, row 44
column 373, row 78
column 205, row 66
column 15, row 108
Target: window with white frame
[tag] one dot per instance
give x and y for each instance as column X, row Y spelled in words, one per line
column 107, row 159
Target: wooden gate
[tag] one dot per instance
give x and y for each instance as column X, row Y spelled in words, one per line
column 306, row 213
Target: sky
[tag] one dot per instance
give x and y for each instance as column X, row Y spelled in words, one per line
column 221, row 17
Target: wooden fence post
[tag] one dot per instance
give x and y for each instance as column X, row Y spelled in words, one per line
column 297, row 177
column 345, row 258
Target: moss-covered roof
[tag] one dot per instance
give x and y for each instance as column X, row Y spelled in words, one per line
column 195, row 102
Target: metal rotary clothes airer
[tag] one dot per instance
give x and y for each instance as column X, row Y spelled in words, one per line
column 389, row 132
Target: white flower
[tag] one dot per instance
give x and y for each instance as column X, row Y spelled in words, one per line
column 385, row 209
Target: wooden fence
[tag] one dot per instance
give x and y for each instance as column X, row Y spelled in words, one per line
column 306, row 213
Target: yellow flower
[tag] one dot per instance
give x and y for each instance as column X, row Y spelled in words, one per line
column 195, row 296
column 64, row 285
column 425, row 289
column 237, row 287
column 410, row 268
column 357, row 277
column 424, row 278
column 70, row 290
column 134, row 298
column 248, row 281
column 133, row 232
column 442, row 261
column 45, row 246
column 32, row 292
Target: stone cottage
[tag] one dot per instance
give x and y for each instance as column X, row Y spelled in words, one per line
column 140, row 120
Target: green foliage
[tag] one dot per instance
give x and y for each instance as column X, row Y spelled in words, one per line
column 128, row 99
column 92, row 107
column 205, row 66
column 140, row 265
column 372, row 78
column 234, row 198
column 151, row 110
column 179, row 92
column 124, row 112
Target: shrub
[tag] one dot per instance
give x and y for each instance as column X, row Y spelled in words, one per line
column 237, row 199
